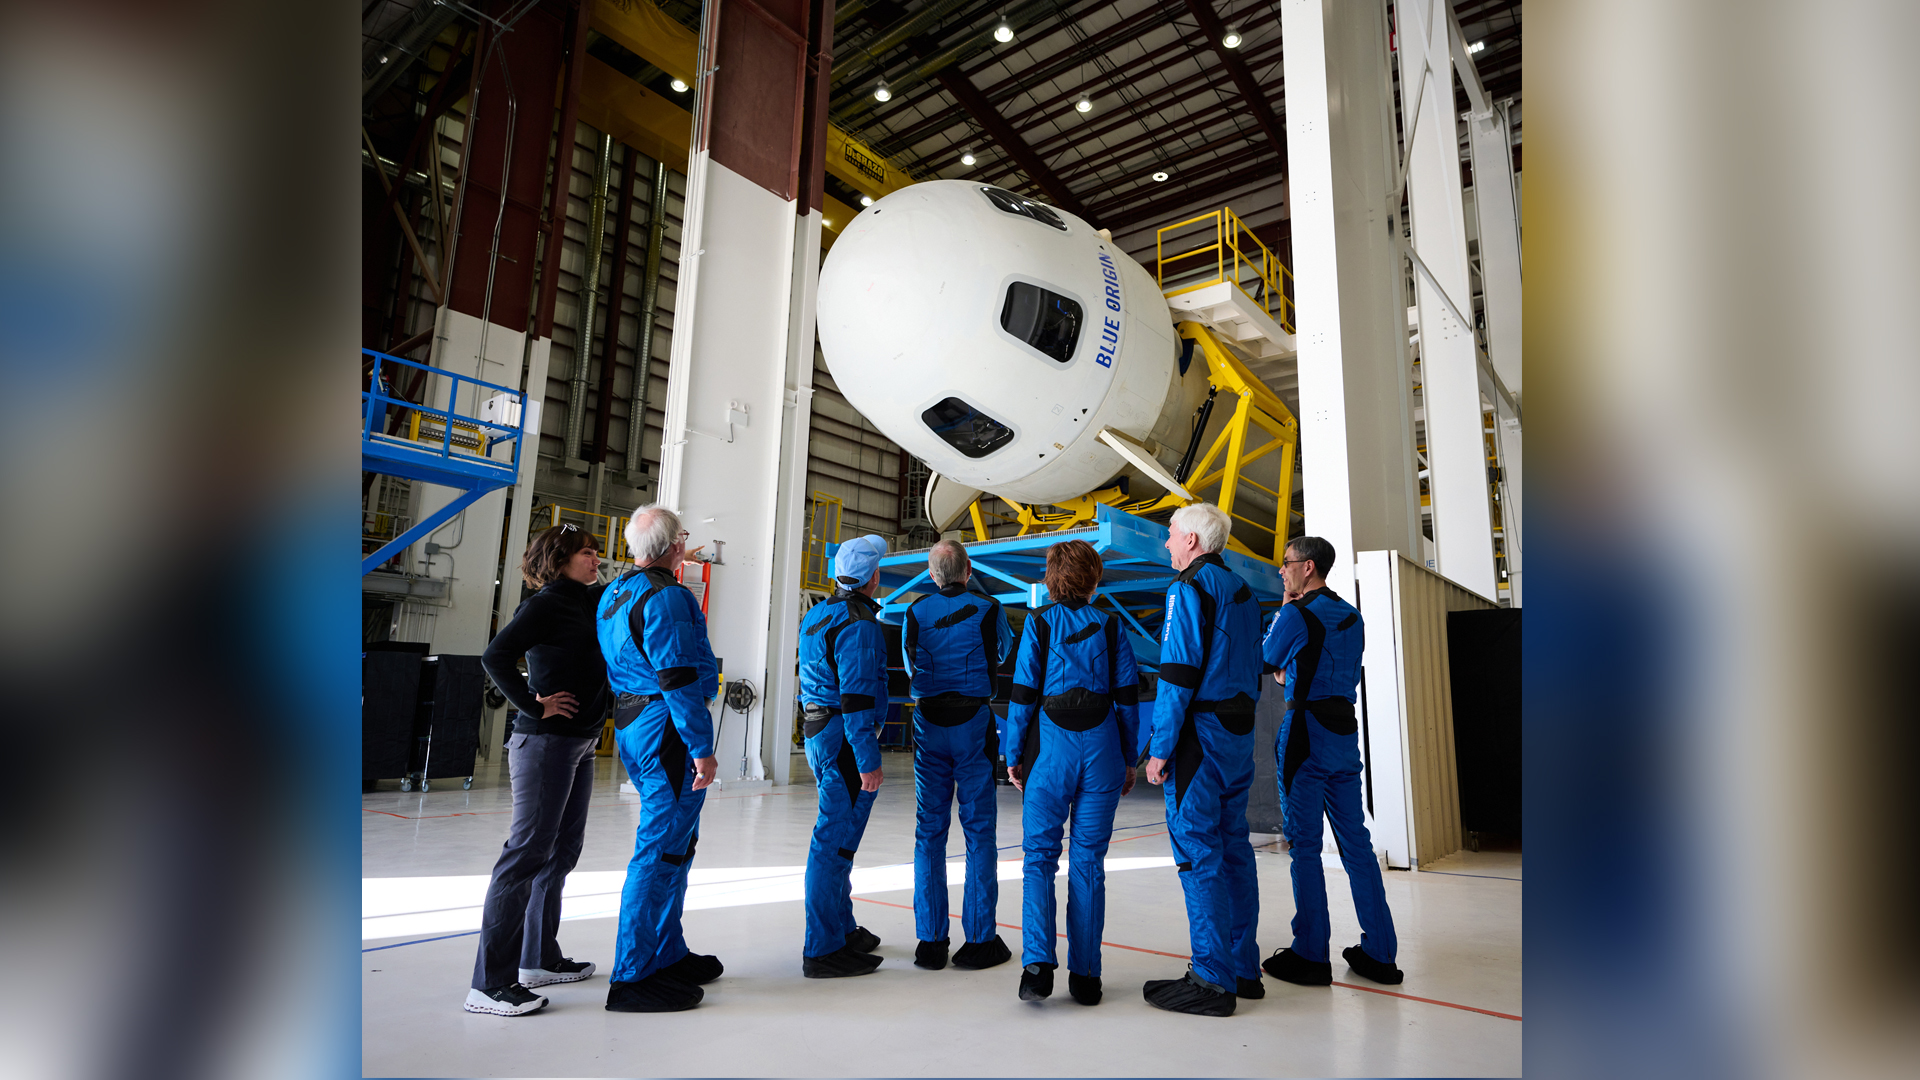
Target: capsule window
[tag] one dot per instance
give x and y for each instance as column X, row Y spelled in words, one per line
column 1025, row 207
column 1045, row 320
column 966, row 428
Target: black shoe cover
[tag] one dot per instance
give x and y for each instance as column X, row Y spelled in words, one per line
column 1368, row 968
column 658, row 992
column 863, row 940
column 1084, row 988
column 696, row 969
column 1036, row 982
column 1190, row 994
column 843, row 964
column 1250, row 989
column 1289, row 966
column 931, row 955
column 975, row 955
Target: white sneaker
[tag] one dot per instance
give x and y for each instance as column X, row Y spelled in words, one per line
column 565, row 971
column 514, row 1000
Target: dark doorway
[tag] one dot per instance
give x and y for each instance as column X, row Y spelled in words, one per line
column 1483, row 650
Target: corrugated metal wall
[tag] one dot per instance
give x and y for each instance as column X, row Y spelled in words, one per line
column 1424, row 600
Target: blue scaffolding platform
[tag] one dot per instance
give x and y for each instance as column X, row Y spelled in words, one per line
column 1137, row 571
column 460, row 457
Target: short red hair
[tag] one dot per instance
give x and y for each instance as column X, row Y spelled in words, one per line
column 1073, row 570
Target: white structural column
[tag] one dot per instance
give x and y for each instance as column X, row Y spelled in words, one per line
column 1355, row 425
column 1506, row 424
column 721, row 454
column 1449, row 356
column 472, row 539
column 520, row 517
column 1491, row 140
column 790, row 509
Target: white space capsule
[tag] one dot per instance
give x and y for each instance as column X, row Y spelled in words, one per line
column 995, row 338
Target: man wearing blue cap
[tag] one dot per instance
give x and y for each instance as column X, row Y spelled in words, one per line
column 843, row 694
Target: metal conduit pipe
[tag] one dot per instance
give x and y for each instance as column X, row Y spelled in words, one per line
column 649, row 306
column 589, row 299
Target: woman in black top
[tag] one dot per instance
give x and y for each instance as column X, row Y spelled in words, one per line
column 550, row 758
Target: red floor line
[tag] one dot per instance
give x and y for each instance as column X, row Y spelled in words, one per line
column 1142, row 836
column 1429, row 1001
column 1185, row 956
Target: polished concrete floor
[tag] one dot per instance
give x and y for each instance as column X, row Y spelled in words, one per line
column 425, row 860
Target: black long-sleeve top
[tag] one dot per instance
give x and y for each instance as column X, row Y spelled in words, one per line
column 554, row 630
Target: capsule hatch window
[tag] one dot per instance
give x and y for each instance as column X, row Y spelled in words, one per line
column 1026, row 208
column 1043, row 319
column 966, row 428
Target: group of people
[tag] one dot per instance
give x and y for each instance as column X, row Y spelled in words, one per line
column 1072, row 738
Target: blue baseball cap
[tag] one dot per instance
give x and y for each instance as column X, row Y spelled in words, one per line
column 857, row 560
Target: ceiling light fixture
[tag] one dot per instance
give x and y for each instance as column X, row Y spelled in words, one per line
column 1003, row 33
column 1232, row 39
column 679, row 86
column 1084, row 104
column 1161, row 175
column 866, row 200
column 966, row 156
column 1476, row 46
column 882, row 92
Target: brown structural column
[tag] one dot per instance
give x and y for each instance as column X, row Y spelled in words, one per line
column 555, row 224
column 530, row 57
column 1243, row 79
column 976, row 103
column 616, row 294
column 813, row 106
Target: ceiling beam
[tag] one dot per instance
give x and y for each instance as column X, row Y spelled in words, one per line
column 1243, row 79
column 972, row 100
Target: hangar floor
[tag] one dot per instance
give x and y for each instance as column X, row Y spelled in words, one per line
column 425, row 860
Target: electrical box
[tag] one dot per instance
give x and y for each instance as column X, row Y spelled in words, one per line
column 503, row 409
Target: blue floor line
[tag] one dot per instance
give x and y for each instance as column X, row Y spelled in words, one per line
column 420, row 941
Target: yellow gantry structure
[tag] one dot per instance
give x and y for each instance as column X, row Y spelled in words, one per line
column 1221, row 470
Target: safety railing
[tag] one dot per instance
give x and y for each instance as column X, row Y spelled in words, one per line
column 474, row 436
column 823, row 532
column 1238, row 257
column 608, row 530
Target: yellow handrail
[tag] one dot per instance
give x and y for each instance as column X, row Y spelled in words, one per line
column 608, row 530
column 1251, row 262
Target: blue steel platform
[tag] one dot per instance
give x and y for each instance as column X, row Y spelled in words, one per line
column 473, row 472
column 1133, row 583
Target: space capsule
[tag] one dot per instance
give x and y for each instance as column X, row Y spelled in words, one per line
column 1006, row 343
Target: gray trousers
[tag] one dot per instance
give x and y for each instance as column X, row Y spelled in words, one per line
column 552, row 781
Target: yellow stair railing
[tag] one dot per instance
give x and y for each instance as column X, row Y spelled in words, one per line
column 1238, row 257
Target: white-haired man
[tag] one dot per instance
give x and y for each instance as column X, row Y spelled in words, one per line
column 1201, row 748
column 954, row 641
column 654, row 638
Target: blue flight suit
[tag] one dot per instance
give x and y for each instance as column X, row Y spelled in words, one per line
column 954, row 641
column 1203, row 726
column 843, row 695
column 1073, row 724
column 654, row 638
column 1317, row 640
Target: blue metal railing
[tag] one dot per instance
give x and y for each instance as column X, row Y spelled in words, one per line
column 377, row 398
column 473, row 474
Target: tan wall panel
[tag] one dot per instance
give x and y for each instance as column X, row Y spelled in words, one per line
column 1425, row 598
